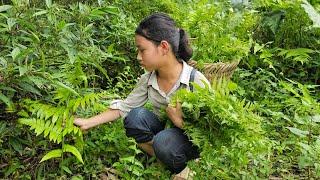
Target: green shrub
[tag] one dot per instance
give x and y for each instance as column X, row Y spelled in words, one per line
column 228, row 132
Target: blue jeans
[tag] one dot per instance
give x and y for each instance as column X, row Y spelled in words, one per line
column 171, row 146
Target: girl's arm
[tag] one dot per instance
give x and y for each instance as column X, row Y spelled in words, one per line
column 137, row 98
column 107, row 116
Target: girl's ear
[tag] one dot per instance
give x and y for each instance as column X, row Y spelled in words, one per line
column 164, row 47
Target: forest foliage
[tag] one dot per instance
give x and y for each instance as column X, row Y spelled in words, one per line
column 62, row 59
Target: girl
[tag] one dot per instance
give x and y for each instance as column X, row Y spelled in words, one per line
column 163, row 50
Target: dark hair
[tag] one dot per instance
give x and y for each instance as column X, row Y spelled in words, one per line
column 158, row 27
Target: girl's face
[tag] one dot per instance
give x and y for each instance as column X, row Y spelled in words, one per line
column 149, row 54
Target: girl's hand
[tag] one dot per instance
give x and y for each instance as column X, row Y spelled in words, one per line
column 107, row 116
column 82, row 123
column 175, row 114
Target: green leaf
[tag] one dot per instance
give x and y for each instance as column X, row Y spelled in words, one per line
column 7, row 88
column 15, row 52
column 97, row 14
column 28, row 87
column 312, row 13
column 3, row 62
column 5, row 8
column 74, row 151
column 316, row 118
column 111, row 9
column 257, row 48
column 128, row 159
column 12, row 168
column 36, row 38
column 66, row 169
column 11, row 22
column 100, row 68
column 6, row 100
column 305, row 146
column 22, row 70
column 66, row 87
column 189, row 106
column 304, row 161
column 77, row 177
column 48, row 3
column 232, row 86
column 40, row 13
column 72, row 53
column 16, row 145
column 55, row 117
column 298, row 132
column 46, row 129
column 52, row 154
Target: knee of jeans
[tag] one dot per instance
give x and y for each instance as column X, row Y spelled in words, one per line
column 135, row 115
column 162, row 150
column 168, row 152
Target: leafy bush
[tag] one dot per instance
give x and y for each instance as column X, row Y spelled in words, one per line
column 45, row 46
column 228, row 133
column 218, row 32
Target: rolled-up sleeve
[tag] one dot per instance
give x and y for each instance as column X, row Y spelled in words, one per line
column 137, row 98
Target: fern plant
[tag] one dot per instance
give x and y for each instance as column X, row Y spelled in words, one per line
column 227, row 131
column 55, row 120
column 39, row 45
column 304, row 127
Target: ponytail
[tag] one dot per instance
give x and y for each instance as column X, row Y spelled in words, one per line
column 185, row 50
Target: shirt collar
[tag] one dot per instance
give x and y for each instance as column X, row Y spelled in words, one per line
column 184, row 76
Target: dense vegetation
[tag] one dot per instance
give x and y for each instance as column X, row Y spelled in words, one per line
column 60, row 59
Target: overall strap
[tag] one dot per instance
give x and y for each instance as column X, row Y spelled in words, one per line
column 149, row 77
column 148, row 82
column 192, row 74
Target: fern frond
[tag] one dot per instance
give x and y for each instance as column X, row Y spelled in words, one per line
column 86, row 100
column 41, row 126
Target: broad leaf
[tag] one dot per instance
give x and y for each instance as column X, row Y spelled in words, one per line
column 298, row 131
column 312, row 13
column 5, row 8
column 74, row 151
column 52, row 154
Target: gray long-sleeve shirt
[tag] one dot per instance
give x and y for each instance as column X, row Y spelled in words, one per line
column 148, row 89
